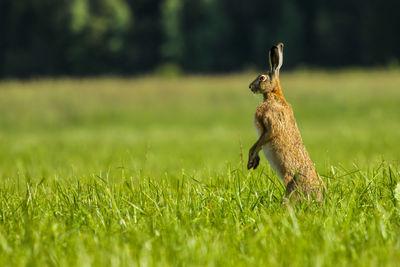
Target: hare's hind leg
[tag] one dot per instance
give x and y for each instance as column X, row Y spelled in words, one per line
column 292, row 187
column 297, row 190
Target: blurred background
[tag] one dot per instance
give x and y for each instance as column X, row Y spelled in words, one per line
column 130, row 37
column 158, row 86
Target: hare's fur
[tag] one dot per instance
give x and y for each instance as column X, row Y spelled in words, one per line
column 279, row 136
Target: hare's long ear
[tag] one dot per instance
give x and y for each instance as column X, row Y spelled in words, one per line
column 276, row 58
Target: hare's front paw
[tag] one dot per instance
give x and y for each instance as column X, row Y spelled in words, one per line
column 253, row 162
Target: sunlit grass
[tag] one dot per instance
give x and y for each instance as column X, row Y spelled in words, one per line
column 151, row 171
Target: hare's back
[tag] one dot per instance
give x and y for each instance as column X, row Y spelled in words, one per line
column 285, row 149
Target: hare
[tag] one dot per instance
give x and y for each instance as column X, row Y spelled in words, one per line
column 279, row 136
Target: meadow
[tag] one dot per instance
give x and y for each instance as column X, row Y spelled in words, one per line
column 151, row 171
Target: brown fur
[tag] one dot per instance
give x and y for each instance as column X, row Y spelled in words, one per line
column 279, row 135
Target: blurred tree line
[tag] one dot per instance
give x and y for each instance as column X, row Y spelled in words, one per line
column 87, row 37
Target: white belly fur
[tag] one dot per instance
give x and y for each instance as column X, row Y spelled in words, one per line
column 270, row 155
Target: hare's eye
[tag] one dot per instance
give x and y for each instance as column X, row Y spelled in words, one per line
column 263, row 78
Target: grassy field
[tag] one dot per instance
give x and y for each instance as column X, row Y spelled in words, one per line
column 151, row 172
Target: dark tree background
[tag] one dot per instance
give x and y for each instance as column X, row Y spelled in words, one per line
column 89, row 37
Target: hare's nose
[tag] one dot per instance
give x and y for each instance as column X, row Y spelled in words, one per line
column 250, row 86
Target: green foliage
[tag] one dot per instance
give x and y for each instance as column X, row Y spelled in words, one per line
column 94, row 21
column 151, row 171
column 168, row 70
column 397, row 193
column 86, row 37
column 173, row 45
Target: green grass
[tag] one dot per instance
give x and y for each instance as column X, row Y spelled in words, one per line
column 151, row 171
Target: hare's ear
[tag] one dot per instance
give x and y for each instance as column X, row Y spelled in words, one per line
column 276, row 58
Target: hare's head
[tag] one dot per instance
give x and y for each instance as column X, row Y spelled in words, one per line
column 269, row 81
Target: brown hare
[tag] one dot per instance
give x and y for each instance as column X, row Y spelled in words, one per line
column 279, row 136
